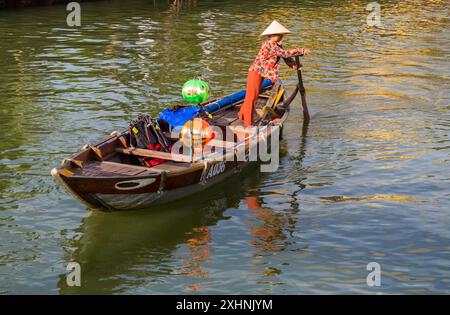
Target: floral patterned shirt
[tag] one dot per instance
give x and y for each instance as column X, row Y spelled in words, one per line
column 266, row 63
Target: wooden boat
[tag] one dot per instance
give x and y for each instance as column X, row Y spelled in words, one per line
column 110, row 175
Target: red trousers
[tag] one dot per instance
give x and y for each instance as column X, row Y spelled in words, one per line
column 254, row 81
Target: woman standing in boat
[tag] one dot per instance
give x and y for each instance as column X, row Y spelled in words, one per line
column 266, row 65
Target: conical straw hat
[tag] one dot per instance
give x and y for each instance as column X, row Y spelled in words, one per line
column 275, row 28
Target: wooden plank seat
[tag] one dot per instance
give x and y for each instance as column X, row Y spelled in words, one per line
column 224, row 120
column 239, row 129
column 112, row 169
column 220, row 144
column 154, row 154
column 172, row 156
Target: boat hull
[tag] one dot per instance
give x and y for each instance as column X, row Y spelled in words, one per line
column 107, row 194
column 102, row 179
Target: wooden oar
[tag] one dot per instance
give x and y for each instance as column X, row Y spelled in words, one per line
column 302, row 89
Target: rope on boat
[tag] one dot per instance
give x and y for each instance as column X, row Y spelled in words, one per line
column 162, row 182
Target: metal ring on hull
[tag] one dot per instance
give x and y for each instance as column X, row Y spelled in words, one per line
column 134, row 184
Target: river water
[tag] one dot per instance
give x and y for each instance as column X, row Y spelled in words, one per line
column 366, row 181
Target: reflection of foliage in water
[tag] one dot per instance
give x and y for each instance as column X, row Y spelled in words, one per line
column 28, row 3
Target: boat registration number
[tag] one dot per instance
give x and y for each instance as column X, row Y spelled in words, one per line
column 216, row 169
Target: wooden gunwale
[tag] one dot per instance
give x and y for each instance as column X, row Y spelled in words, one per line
column 170, row 181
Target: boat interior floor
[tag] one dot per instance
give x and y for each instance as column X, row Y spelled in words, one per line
column 229, row 117
column 112, row 169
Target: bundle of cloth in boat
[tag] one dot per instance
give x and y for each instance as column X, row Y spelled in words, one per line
column 145, row 133
column 176, row 118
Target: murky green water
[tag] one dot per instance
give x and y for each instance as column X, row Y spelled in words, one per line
column 367, row 180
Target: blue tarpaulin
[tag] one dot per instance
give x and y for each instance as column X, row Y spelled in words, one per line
column 177, row 118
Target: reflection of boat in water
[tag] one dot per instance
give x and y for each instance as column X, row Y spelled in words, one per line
column 117, row 251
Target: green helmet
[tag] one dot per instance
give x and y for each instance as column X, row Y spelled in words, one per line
column 195, row 91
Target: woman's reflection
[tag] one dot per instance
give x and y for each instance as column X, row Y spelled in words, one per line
column 267, row 228
column 200, row 248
